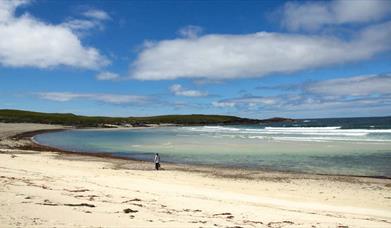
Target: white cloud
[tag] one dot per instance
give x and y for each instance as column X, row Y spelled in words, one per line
column 95, row 19
column 96, row 14
column 107, row 76
column 315, row 14
column 251, row 101
column 223, row 104
column 190, row 31
column 82, row 25
column 353, row 86
column 107, row 98
column 28, row 42
column 7, row 8
column 353, row 96
column 178, row 90
column 59, row 96
column 306, row 105
column 218, row 57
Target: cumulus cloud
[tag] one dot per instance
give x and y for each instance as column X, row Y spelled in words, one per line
column 94, row 20
column 190, row 31
column 106, row 75
column 29, row 42
column 359, row 93
column 305, row 104
column 223, row 104
column 96, row 14
column 313, row 15
column 250, row 101
column 219, row 57
column 107, row 98
column 178, row 90
column 80, row 25
column 353, row 86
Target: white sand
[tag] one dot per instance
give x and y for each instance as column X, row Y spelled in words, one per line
column 52, row 189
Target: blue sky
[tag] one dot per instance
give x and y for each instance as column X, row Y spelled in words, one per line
column 256, row 59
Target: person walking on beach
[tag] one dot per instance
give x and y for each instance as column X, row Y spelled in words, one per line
column 157, row 161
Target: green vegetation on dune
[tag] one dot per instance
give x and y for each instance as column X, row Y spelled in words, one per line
column 19, row 116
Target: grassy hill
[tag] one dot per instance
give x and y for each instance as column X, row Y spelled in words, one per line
column 19, row 116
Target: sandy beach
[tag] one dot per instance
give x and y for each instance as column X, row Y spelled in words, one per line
column 54, row 189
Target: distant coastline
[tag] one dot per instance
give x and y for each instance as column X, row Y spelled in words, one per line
column 69, row 119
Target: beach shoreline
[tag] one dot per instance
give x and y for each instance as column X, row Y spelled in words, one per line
column 217, row 197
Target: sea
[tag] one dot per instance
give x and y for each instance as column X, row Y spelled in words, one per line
column 337, row 146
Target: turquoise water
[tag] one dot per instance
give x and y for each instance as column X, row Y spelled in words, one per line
column 326, row 150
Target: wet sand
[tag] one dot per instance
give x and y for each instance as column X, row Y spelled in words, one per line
column 41, row 186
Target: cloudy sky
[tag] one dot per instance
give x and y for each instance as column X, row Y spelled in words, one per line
column 259, row 59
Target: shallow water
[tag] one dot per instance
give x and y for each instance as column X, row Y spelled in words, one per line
column 326, row 150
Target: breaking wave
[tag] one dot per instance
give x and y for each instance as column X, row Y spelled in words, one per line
column 331, row 133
